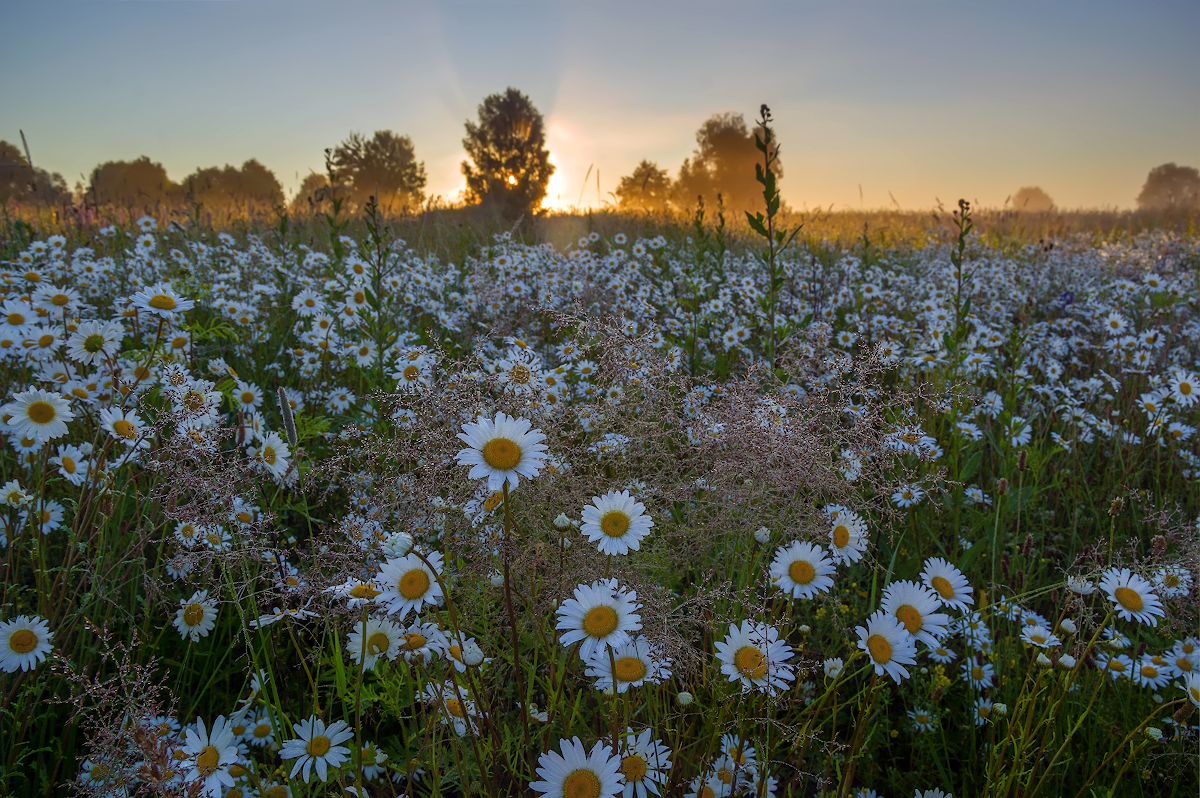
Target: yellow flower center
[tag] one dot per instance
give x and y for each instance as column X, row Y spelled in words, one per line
column 414, row 584
column 456, row 652
column 278, row 791
column 1115, row 664
column 68, row 465
column 16, row 319
column 377, row 644
column 193, row 614
column 124, row 428
column 841, row 536
column 943, row 587
column 206, row 760
column 22, row 641
column 247, row 397
column 614, row 524
column 455, row 708
column 908, row 615
column 1129, row 599
column 1150, row 672
column 41, row 412
column 633, row 768
column 581, row 783
column 162, row 302
column 45, row 341
column 412, row 641
column 1037, row 639
column 493, row 501
column 520, row 374
column 750, row 662
column 364, row 591
column 629, row 669
column 1171, row 580
column 802, row 572
column 268, row 455
column 725, row 776
column 262, row 730
column 976, row 672
column 880, row 649
column 600, row 621
column 318, row 746
column 501, row 454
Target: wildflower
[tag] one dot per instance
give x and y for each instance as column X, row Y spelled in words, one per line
column 577, row 773
column 93, row 342
column 645, row 764
column 601, row 615
column 923, row 719
column 887, row 644
column 632, row 664
column 124, row 425
column 753, row 655
column 685, row 698
column 13, row 494
column 407, row 584
column 908, row 495
column 1148, row 673
column 460, row 713
column 421, row 641
column 847, row 536
column 1132, row 596
column 1080, row 586
column 1039, row 636
column 210, row 754
column 978, row 676
column 916, row 606
column 502, row 450
column 802, row 570
column 259, row 731
column 617, row 522
column 196, row 616
column 162, row 300
column 24, row 642
column 372, row 639
column 948, row 582
column 982, row 710
column 1117, row 665
column 1191, row 686
column 1173, row 580
column 762, row 535
column 36, row 414
column 1184, row 388
column 317, row 747
column 273, row 454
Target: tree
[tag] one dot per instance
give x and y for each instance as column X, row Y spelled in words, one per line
column 1032, row 198
column 1171, row 187
column 251, row 190
column 647, row 189
column 510, row 165
column 723, row 163
column 140, row 184
column 384, row 166
column 21, row 183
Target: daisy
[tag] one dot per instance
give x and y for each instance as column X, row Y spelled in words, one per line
column 1117, row 665
column 372, row 639
column 259, row 731
column 916, row 606
column 317, row 746
column 948, row 582
column 407, row 584
column 942, row 655
column 923, row 719
column 579, row 774
column 645, row 764
column 983, row 710
column 422, row 641
column 802, row 570
column 908, row 495
column 24, row 642
column 273, row 454
column 1039, row 636
column 1132, row 596
column 196, row 616
column 634, row 664
column 162, row 300
column 94, row 342
column 848, row 536
column 125, row 426
column 1184, row 388
column 754, row 655
column 1192, row 688
column 36, row 414
column 1149, row 673
column 502, row 450
column 978, row 676
column 209, row 755
column 1173, row 580
column 617, row 522
column 14, row 495
column 887, row 644
column 71, row 464
column 460, row 712
column 601, row 615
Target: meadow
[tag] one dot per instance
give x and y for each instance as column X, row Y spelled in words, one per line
column 600, row 505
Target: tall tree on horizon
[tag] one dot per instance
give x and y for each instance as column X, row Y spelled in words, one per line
column 384, row 166
column 723, row 163
column 647, row 189
column 510, row 165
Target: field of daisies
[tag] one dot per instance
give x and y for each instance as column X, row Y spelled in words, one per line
column 654, row 514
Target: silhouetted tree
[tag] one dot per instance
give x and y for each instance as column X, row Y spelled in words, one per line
column 1032, row 198
column 314, row 189
column 20, row 183
column 251, row 190
column 510, row 165
column 647, row 189
column 141, row 184
column 1170, row 187
column 385, row 166
column 723, row 163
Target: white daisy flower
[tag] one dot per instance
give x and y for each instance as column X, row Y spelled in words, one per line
column 916, row 606
column 160, row 299
column 1132, row 596
column 422, row 641
column 576, row 773
column 503, row 449
column 1040, row 636
column 273, row 453
column 948, row 582
column 316, row 747
column 599, row 615
column 802, row 570
column 93, row 342
column 753, row 655
column 645, row 764
column 459, row 712
column 24, row 642
column 1191, row 686
column 617, row 522
column 196, row 616
column 124, row 425
column 209, row 755
column 888, row 645
column 1173, row 580
column 407, row 584
column 1151, row 674
column 39, row 415
column 13, row 495
column 847, row 536
column 634, row 663
column 259, row 731
column 375, row 638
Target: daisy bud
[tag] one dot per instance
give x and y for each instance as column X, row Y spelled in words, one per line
column 1000, row 709
column 762, row 534
column 1068, row 626
column 398, row 544
column 562, row 522
column 804, row 628
column 1067, row 661
column 1044, row 661
column 497, row 579
column 472, row 655
column 609, row 691
column 684, row 698
column 1154, row 733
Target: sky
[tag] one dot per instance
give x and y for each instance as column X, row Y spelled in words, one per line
column 877, row 104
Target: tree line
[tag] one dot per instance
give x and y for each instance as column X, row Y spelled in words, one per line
column 507, row 170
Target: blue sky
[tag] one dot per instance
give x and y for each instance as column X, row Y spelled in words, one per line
column 924, row 99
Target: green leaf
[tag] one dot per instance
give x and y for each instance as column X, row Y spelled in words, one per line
column 971, row 467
